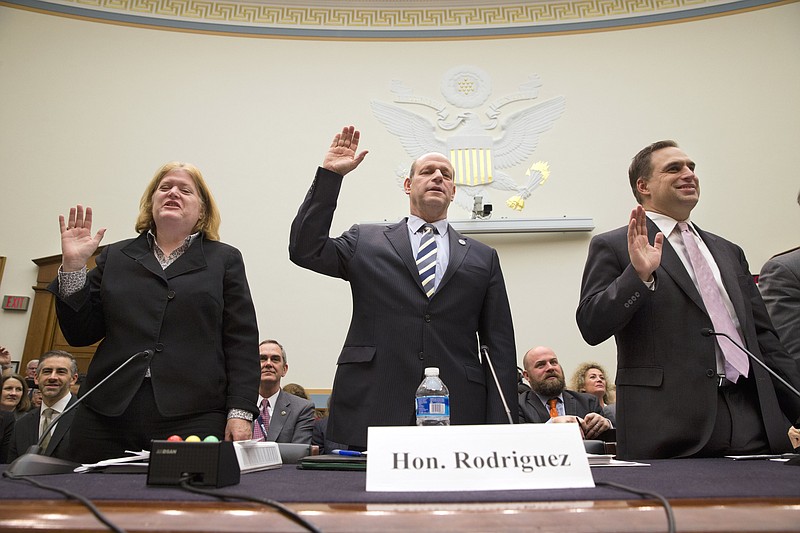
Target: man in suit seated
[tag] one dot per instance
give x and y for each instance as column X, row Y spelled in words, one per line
column 548, row 401
column 283, row 417
column 56, row 372
column 319, row 435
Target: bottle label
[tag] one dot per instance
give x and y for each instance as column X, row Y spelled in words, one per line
column 433, row 406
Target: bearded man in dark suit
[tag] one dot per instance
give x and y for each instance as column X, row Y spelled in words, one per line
column 544, row 373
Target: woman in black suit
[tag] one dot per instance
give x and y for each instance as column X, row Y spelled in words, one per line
column 176, row 290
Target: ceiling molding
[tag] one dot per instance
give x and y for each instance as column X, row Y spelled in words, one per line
column 391, row 19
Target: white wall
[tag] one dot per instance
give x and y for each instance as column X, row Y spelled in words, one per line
column 90, row 110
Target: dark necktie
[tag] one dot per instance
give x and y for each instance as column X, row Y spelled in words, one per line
column 426, row 259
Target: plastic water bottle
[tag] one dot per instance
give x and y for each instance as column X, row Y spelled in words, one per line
column 433, row 400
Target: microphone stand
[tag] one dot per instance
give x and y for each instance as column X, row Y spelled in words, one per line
column 708, row 332
column 31, row 463
column 485, row 353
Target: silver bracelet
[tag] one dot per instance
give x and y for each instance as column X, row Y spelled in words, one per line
column 240, row 413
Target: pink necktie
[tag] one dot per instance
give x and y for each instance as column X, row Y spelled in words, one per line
column 261, row 425
column 736, row 362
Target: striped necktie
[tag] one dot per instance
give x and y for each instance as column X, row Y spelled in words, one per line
column 426, row 259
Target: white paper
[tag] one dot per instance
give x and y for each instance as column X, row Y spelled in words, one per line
column 254, row 455
column 468, row 458
column 142, row 457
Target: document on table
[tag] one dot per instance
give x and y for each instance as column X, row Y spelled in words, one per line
column 137, row 462
column 608, row 460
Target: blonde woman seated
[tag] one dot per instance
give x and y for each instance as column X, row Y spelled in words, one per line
column 590, row 377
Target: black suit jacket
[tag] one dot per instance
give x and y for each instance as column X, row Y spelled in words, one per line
column 779, row 283
column 531, row 409
column 7, row 422
column 197, row 315
column 396, row 331
column 319, row 438
column 26, row 433
column 666, row 370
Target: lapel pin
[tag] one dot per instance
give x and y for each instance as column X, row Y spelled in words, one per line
column 283, row 413
column 462, row 242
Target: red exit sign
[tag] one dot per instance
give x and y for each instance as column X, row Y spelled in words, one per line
column 16, row 303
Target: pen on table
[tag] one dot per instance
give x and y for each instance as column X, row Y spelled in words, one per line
column 351, row 453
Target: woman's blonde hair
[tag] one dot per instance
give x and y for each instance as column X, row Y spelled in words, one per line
column 209, row 213
column 578, row 381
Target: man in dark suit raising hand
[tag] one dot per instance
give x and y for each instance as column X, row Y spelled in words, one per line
column 655, row 285
column 421, row 293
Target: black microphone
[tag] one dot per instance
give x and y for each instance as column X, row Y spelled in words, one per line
column 485, row 354
column 31, row 463
column 708, row 332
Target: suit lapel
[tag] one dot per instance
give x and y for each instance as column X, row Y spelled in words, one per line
column 672, row 264
column 398, row 237
column 536, row 404
column 33, row 429
column 139, row 250
column 570, row 404
column 61, row 429
column 193, row 259
column 728, row 272
column 458, row 252
column 277, row 419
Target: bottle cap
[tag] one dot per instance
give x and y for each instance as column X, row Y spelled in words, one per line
column 432, row 371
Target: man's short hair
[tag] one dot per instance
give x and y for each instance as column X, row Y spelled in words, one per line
column 414, row 164
column 412, row 169
column 57, row 353
column 642, row 164
column 276, row 343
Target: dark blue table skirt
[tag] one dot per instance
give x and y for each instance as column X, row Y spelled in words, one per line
column 673, row 479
